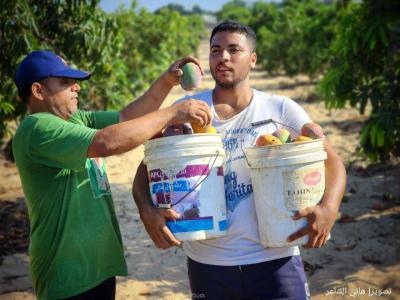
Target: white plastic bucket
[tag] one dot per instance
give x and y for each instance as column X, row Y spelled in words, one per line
column 186, row 173
column 285, row 178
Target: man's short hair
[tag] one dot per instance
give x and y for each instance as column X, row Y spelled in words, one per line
column 25, row 92
column 234, row 26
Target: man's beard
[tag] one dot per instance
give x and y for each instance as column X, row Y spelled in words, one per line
column 227, row 85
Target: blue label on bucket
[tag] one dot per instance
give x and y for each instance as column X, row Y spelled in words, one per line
column 223, row 225
column 165, row 187
column 204, row 223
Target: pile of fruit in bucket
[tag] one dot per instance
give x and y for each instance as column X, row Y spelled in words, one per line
column 185, row 129
column 197, row 128
column 310, row 131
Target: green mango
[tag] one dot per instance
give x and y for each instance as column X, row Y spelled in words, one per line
column 191, row 77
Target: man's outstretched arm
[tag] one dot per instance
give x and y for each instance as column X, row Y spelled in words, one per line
column 152, row 99
column 125, row 136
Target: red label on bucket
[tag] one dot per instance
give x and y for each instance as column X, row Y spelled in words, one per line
column 312, row 178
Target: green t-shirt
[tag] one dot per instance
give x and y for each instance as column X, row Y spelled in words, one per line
column 75, row 238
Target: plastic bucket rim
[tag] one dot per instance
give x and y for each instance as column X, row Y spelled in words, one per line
column 286, row 145
column 172, row 137
column 283, row 161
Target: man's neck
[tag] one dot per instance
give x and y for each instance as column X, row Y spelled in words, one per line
column 38, row 107
column 34, row 107
column 230, row 102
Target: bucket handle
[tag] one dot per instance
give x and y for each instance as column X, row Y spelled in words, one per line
column 244, row 153
column 200, row 180
column 267, row 121
column 261, row 123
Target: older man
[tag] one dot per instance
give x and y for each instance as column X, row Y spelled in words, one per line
column 76, row 247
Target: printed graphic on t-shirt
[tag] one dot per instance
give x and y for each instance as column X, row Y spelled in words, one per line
column 96, row 169
column 234, row 191
column 237, row 186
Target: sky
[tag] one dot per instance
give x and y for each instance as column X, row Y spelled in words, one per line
column 152, row 5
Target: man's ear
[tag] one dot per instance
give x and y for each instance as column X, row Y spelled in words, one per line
column 253, row 59
column 37, row 90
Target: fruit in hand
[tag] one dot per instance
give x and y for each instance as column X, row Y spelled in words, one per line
column 197, row 128
column 283, row 135
column 267, row 140
column 312, row 130
column 191, row 77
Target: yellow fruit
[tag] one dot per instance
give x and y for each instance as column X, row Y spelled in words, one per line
column 211, row 130
column 267, row 140
column 197, row 128
column 302, row 138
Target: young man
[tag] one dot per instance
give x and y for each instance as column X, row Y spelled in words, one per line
column 76, row 247
column 238, row 266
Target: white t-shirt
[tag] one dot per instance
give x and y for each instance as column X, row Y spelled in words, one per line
column 242, row 244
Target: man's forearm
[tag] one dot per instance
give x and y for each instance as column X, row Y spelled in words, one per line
column 140, row 190
column 125, row 136
column 335, row 177
column 150, row 101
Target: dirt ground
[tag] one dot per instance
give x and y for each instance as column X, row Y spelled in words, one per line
column 361, row 261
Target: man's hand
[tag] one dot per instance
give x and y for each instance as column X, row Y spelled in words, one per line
column 174, row 72
column 320, row 222
column 154, row 221
column 190, row 111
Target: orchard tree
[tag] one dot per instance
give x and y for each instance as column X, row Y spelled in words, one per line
column 153, row 41
column 78, row 31
column 296, row 38
column 235, row 10
column 365, row 69
column 125, row 51
column 264, row 15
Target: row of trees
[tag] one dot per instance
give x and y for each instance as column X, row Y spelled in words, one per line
column 353, row 46
column 125, row 50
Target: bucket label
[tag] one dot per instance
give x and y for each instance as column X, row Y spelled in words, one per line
column 177, row 187
column 312, row 178
column 188, row 225
column 303, row 188
column 180, row 189
column 158, row 175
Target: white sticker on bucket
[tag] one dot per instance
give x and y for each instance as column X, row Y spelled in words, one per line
column 303, row 188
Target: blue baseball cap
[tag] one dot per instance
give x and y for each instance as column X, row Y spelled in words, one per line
column 41, row 64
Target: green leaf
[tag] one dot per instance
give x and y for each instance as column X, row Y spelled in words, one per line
column 372, row 43
column 380, row 137
column 382, row 35
column 373, row 134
